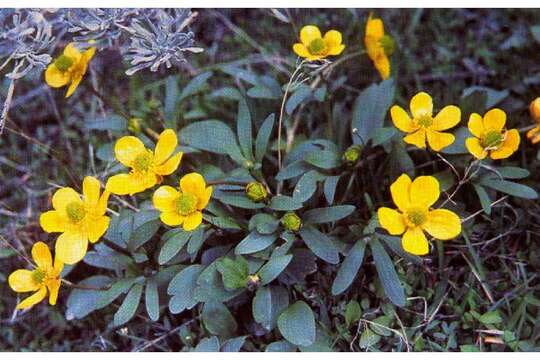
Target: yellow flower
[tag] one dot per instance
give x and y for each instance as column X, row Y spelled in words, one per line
column 313, row 46
column 79, row 220
column 534, row 108
column 490, row 136
column 414, row 215
column 183, row 207
column 147, row 167
column 45, row 277
column 424, row 125
column 69, row 68
column 379, row 46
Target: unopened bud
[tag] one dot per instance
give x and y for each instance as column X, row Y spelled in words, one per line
column 134, row 125
column 534, row 109
column 256, row 191
column 291, row 221
column 352, row 154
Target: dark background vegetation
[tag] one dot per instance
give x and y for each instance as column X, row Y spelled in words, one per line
column 440, row 51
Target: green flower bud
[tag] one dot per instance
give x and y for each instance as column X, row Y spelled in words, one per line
column 253, row 281
column 291, row 221
column 388, row 44
column 352, row 154
column 256, row 191
column 248, row 164
column 134, row 125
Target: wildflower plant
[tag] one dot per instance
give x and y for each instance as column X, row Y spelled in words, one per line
column 297, row 208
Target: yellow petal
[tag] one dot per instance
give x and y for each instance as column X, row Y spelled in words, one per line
column 121, row 184
column 42, row 255
column 414, row 242
column 127, row 148
column 442, row 224
column 33, row 299
column 494, row 119
column 56, row 78
column 52, row 221
column 71, row 247
column 382, row 64
column 64, row 196
column 508, row 147
column 421, row 104
column 438, row 140
column 171, row 218
column 391, row 220
column 73, row 86
column 88, row 55
column 91, row 187
column 336, row 50
column 58, row 265
column 165, row 146
column 164, row 198
column 476, row 125
column 22, row 281
column 193, row 183
column 192, row 221
column 424, row 191
column 98, row 227
column 447, row 118
column 309, row 33
column 301, row 50
column 170, row 166
column 333, row 39
column 54, row 287
column 203, row 201
column 400, row 191
column 474, row 147
column 373, row 48
column 374, row 28
column 102, row 203
column 73, row 52
column 401, row 119
column 418, row 138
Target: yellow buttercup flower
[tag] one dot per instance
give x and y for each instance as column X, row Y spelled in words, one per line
column 534, row 108
column 147, row 167
column 44, row 278
column 183, row 207
column 69, row 68
column 79, row 220
column 414, row 215
column 379, row 46
column 313, row 46
column 490, row 136
column 424, row 125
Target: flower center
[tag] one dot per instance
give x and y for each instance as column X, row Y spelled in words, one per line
column 388, row 44
column 416, row 216
column 75, row 211
column 492, row 139
column 63, row 63
column 317, row 47
column 425, row 120
column 143, row 162
column 39, row 275
column 186, row 204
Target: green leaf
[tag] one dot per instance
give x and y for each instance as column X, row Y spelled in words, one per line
column 263, row 223
column 306, row 186
column 173, row 245
column 349, row 268
column 195, row 85
column 368, row 338
column 210, row 286
column 535, row 30
column 490, row 318
column 273, row 268
column 254, row 242
column 196, row 241
column 221, row 141
column 330, row 185
column 297, row 324
column 510, row 188
column 218, row 320
column 267, row 304
column 493, row 97
column 117, row 288
column 387, row 274
column 468, row 348
column 244, row 129
column 512, row 172
column 324, row 159
column 182, row 287
column 81, row 302
column 234, row 272
column 302, row 93
column 458, row 146
column 353, row 312
column 240, row 201
column 171, row 101
column 320, row 244
column 145, row 224
column 280, row 346
column 370, row 108
column 327, row 214
column 127, row 310
column 284, row 203
column 383, row 135
column 483, row 196
column 112, row 122
column 208, row 345
column 152, row 299
column 294, row 169
column 234, row 344
column 263, row 137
